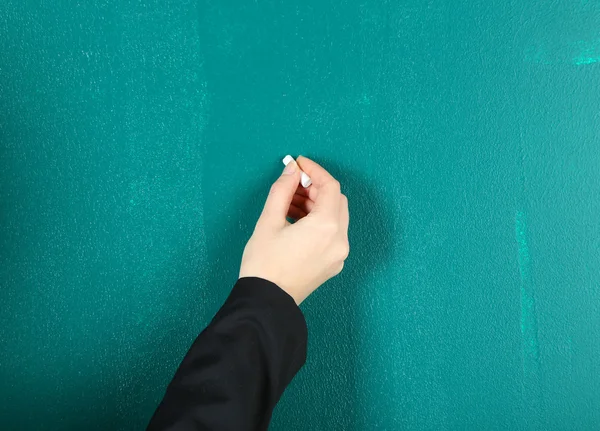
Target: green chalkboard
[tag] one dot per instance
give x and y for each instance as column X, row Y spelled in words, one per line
column 137, row 143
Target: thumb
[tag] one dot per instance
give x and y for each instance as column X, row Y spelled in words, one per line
column 280, row 196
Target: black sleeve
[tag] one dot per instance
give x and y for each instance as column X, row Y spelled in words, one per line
column 238, row 367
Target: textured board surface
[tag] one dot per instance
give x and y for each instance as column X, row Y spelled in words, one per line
column 138, row 140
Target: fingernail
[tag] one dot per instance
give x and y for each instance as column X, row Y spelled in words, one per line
column 290, row 168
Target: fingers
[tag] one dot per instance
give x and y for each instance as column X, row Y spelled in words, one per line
column 310, row 192
column 303, row 202
column 288, row 199
column 327, row 201
column 316, row 172
column 296, row 213
column 280, row 197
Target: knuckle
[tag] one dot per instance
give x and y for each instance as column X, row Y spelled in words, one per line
column 335, row 185
column 343, row 250
column 275, row 188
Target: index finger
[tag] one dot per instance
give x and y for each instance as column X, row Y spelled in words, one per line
column 328, row 188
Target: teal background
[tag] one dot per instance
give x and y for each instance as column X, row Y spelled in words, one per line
column 138, row 141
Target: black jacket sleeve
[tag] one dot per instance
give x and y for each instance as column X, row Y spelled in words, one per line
column 238, row 367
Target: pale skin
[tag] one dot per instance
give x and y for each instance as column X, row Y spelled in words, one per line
column 299, row 257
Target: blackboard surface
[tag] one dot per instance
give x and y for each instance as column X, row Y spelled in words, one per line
column 137, row 143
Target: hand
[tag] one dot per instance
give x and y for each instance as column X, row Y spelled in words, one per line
column 299, row 257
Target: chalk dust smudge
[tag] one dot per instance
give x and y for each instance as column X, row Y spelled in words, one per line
column 578, row 53
column 531, row 384
column 528, row 317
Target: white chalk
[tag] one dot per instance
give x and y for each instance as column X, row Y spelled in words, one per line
column 304, row 179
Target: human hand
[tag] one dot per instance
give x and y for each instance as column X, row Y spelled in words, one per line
column 299, row 257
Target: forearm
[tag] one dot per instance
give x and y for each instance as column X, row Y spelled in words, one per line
column 238, row 367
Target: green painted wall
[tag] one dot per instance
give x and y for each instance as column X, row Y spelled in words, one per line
column 138, row 139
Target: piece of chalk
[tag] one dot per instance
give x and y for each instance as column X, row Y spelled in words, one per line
column 304, row 179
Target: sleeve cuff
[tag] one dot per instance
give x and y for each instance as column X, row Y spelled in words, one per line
column 281, row 306
column 279, row 312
